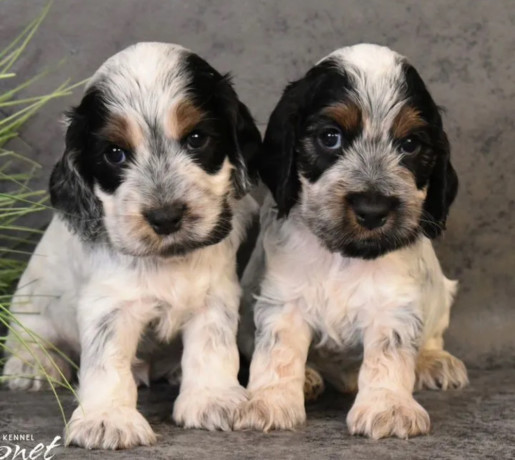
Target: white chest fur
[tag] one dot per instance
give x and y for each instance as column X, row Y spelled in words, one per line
column 168, row 291
column 340, row 296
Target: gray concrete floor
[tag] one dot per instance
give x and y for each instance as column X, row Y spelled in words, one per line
column 464, row 50
column 475, row 423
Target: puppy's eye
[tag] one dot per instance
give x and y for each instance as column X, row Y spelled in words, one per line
column 196, row 140
column 115, row 155
column 409, row 145
column 330, row 138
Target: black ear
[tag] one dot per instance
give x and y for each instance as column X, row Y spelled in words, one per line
column 441, row 192
column 248, row 143
column 443, row 181
column 71, row 183
column 246, row 136
column 211, row 88
column 276, row 163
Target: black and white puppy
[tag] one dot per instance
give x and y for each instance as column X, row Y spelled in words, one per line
column 151, row 208
column 359, row 170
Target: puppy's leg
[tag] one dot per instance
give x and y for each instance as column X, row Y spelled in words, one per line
column 37, row 357
column 385, row 405
column 40, row 323
column 277, row 371
column 107, row 417
column 210, row 391
column 36, row 368
column 439, row 370
column 436, row 368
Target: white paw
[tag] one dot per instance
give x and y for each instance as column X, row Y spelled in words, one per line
column 439, row 370
column 280, row 408
column 382, row 413
column 108, row 428
column 26, row 371
column 209, row 408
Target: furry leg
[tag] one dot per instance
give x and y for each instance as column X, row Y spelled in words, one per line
column 277, row 371
column 384, row 405
column 210, row 392
column 107, row 417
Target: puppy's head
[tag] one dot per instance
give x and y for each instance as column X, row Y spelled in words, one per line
column 156, row 153
column 357, row 146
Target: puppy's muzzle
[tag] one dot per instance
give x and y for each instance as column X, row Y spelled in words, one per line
column 372, row 209
column 167, row 219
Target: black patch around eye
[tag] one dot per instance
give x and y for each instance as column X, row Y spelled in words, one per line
column 109, row 173
column 89, row 119
column 420, row 162
column 328, row 85
column 319, row 163
column 211, row 154
column 314, row 157
column 205, row 87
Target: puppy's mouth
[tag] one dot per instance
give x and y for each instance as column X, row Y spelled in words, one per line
column 352, row 237
column 161, row 233
column 372, row 248
column 151, row 245
column 374, row 224
column 186, row 241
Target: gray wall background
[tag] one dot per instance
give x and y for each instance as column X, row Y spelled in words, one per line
column 465, row 51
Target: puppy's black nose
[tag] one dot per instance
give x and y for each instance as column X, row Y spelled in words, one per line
column 372, row 209
column 167, row 219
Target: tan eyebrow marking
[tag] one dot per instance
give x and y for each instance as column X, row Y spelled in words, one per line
column 348, row 115
column 123, row 132
column 184, row 116
column 407, row 120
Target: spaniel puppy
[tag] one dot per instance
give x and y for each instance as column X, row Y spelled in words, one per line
column 359, row 170
column 151, row 206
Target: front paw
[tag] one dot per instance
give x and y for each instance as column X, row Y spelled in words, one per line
column 439, row 370
column 280, row 408
column 108, row 428
column 382, row 413
column 209, row 408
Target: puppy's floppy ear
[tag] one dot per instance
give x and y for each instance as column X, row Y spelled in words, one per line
column 443, row 181
column 71, row 181
column 441, row 192
column 276, row 162
column 248, row 142
column 246, row 137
